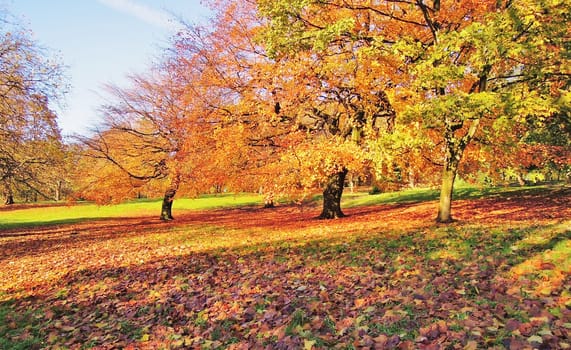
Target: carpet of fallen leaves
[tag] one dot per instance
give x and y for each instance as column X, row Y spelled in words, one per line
column 384, row 277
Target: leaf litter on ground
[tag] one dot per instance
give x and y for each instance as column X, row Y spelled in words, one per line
column 384, row 277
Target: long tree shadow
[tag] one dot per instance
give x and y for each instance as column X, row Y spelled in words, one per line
column 52, row 239
column 383, row 277
column 49, row 239
column 385, row 288
column 528, row 205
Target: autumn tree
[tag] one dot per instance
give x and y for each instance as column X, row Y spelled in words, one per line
column 173, row 128
column 504, row 67
column 30, row 142
column 147, row 141
column 458, row 67
column 536, row 149
column 309, row 113
column 186, row 124
column 233, row 84
column 334, row 107
column 326, row 91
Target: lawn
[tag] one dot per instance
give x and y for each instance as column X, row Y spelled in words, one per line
column 50, row 214
column 243, row 277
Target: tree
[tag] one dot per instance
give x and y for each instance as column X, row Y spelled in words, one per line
column 146, row 141
column 458, row 67
column 283, row 133
column 488, row 75
column 30, row 141
column 184, row 122
column 331, row 87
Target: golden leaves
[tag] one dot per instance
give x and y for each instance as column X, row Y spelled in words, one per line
column 245, row 278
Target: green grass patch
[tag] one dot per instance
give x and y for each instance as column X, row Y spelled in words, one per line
column 326, row 284
column 75, row 213
column 19, row 330
column 462, row 190
column 357, row 199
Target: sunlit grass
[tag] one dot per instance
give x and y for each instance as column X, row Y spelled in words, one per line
column 321, row 282
column 77, row 212
column 550, row 266
column 462, row 190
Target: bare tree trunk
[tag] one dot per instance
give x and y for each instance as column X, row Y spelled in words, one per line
column 58, row 187
column 411, row 179
column 8, row 195
column 269, row 200
column 332, row 196
column 9, row 199
column 166, row 209
column 520, row 179
column 455, row 147
column 446, row 190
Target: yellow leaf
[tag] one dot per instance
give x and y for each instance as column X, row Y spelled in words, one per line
column 52, row 338
column 308, row 344
column 359, row 302
column 471, row 345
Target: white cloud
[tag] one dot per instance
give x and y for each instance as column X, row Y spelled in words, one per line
column 143, row 12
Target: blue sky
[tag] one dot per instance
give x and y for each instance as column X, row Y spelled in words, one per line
column 100, row 42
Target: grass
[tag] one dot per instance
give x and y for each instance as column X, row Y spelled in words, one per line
column 80, row 212
column 75, row 213
column 462, row 190
column 21, row 330
column 383, row 277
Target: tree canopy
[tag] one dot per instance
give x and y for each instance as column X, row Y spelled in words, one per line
column 286, row 97
column 30, row 142
column 462, row 68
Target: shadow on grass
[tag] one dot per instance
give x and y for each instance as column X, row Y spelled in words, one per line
column 460, row 193
column 532, row 204
column 344, row 290
column 72, row 233
column 21, row 218
column 22, row 229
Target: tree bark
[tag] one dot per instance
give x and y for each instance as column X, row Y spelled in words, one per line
column 454, row 151
column 455, row 147
column 269, row 200
column 166, row 210
column 58, row 186
column 332, row 196
column 446, row 190
column 8, row 195
column 9, row 199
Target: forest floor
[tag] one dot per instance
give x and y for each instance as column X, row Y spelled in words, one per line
column 386, row 276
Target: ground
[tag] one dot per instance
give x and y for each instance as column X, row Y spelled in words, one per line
column 386, row 276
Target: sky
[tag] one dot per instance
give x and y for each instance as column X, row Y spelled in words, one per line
column 101, row 42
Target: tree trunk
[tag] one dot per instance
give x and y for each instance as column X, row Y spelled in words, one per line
column 269, row 200
column 446, row 190
column 166, row 210
column 411, row 179
column 454, row 150
column 520, row 179
column 58, row 186
column 455, row 147
column 9, row 199
column 332, row 196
